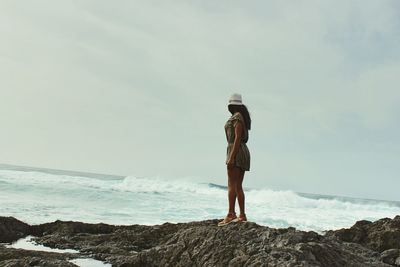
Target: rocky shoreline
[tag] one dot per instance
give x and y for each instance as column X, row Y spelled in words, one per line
column 203, row 243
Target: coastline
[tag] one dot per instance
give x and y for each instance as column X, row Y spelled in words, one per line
column 203, row 243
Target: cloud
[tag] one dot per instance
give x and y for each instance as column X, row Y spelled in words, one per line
column 141, row 87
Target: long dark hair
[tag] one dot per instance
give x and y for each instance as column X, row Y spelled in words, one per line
column 243, row 110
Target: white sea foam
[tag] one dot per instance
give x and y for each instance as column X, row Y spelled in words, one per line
column 38, row 197
column 159, row 185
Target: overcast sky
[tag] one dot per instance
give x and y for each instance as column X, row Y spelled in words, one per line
column 141, row 88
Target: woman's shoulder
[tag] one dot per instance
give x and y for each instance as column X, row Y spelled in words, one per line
column 237, row 116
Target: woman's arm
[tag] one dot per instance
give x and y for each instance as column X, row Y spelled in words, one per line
column 236, row 144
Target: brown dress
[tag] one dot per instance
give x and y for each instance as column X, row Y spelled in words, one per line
column 242, row 159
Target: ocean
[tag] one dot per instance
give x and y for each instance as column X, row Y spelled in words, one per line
column 37, row 195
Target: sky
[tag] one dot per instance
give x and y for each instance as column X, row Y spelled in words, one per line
column 141, row 88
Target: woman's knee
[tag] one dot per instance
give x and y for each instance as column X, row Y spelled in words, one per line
column 238, row 187
column 234, row 176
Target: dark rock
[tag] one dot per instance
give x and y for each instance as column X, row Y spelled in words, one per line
column 203, row 243
column 380, row 235
column 389, row 256
column 12, row 229
column 71, row 228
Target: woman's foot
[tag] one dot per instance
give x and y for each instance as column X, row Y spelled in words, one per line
column 242, row 218
column 231, row 217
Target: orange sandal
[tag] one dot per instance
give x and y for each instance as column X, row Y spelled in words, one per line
column 231, row 217
column 242, row 218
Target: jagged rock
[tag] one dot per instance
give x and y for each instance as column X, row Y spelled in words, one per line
column 203, row 243
column 380, row 235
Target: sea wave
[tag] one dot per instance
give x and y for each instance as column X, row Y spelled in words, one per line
column 41, row 196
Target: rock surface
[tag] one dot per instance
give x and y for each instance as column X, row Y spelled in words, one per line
column 382, row 236
column 203, row 243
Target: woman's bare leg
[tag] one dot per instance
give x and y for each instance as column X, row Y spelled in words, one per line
column 233, row 177
column 239, row 191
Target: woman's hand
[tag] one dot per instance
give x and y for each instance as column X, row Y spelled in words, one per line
column 230, row 163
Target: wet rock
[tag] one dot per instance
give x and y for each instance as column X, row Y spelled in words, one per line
column 10, row 257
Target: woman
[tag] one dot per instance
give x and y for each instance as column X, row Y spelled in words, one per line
column 237, row 156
